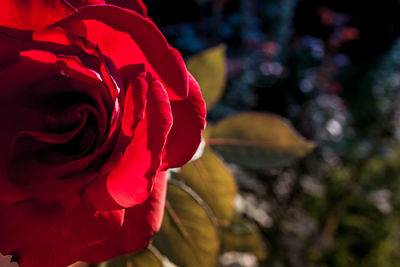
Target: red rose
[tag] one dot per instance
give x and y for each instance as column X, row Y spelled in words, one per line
column 95, row 106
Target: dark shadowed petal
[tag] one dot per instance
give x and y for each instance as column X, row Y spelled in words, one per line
column 42, row 233
column 42, row 163
column 81, row 3
column 9, row 50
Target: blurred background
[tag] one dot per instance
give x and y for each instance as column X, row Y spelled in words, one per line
column 332, row 69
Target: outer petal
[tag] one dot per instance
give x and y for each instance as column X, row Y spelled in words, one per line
column 134, row 5
column 130, row 181
column 140, row 224
column 41, row 233
column 189, row 121
column 81, row 3
column 31, row 14
column 135, row 40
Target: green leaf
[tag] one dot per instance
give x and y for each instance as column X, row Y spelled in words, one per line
column 142, row 258
column 215, row 184
column 258, row 140
column 243, row 237
column 209, row 69
column 188, row 236
column 115, row 262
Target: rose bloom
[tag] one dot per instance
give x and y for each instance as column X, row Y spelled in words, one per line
column 95, row 106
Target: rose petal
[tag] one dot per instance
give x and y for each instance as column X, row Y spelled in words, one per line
column 10, row 114
column 21, row 113
column 189, row 121
column 33, row 15
column 140, row 224
column 10, row 192
column 131, row 180
column 49, row 235
column 134, row 5
column 135, row 98
column 81, row 3
column 135, row 40
column 9, row 50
